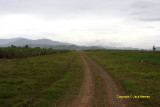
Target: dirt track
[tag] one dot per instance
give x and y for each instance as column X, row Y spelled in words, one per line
column 113, row 88
column 87, row 91
column 86, row 97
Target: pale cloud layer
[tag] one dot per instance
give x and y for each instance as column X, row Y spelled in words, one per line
column 130, row 23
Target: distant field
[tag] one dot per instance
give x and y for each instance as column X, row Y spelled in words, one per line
column 41, row 80
column 138, row 72
column 145, row 56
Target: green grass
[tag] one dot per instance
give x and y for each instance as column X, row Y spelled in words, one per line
column 147, row 56
column 136, row 77
column 40, row 81
column 152, row 58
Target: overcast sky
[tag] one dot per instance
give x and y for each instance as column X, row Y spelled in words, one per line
column 130, row 23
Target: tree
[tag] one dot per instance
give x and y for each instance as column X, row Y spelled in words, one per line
column 26, row 46
column 154, row 48
column 13, row 46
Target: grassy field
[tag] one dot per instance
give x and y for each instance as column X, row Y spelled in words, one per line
column 145, row 56
column 40, row 80
column 138, row 72
column 55, row 79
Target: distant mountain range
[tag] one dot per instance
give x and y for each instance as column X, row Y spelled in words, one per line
column 46, row 43
column 23, row 42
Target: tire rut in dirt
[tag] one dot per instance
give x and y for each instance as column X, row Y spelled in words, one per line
column 113, row 88
column 86, row 95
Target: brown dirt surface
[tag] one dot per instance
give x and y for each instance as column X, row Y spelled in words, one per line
column 86, row 95
column 113, row 88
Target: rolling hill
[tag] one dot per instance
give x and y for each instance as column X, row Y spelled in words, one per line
column 47, row 43
column 44, row 43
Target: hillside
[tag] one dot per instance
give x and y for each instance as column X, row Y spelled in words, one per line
column 47, row 43
column 23, row 42
column 44, row 43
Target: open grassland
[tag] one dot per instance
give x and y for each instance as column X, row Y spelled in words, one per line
column 40, row 80
column 143, row 56
column 136, row 76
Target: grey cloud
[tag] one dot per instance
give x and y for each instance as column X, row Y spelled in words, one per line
column 150, row 27
column 145, row 4
column 141, row 10
column 149, row 19
column 145, row 10
column 104, row 43
column 63, row 7
column 36, row 6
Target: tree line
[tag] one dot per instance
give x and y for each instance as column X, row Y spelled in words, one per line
column 22, row 52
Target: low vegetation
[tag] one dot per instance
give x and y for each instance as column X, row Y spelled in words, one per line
column 148, row 57
column 48, row 80
column 138, row 72
column 22, row 52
